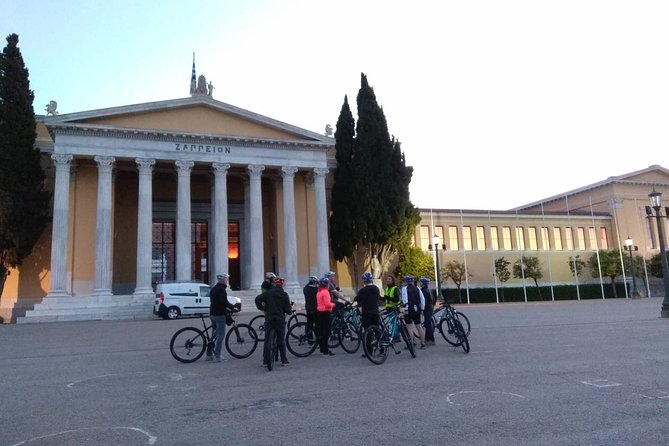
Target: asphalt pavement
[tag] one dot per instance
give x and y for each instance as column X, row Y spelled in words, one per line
column 548, row 373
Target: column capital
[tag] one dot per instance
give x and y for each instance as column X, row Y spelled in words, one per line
column 61, row 159
column 145, row 165
column 288, row 171
column 184, row 167
column 220, row 168
column 255, row 170
column 105, row 163
column 321, row 172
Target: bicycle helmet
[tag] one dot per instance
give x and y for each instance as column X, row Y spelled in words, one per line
column 313, row 279
column 279, row 281
column 329, row 274
column 424, row 280
column 270, row 276
column 367, row 277
column 325, row 282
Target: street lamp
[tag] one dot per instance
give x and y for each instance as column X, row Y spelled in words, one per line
column 435, row 244
column 656, row 203
column 629, row 243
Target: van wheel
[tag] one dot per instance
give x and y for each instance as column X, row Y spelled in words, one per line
column 173, row 313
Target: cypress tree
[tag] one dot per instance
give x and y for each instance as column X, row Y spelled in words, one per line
column 24, row 202
column 372, row 215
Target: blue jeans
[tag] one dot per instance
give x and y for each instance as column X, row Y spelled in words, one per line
column 218, row 323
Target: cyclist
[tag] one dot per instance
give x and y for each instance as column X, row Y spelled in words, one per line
column 310, row 306
column 268, row 283
column 392, row 299
column 368, row 298
column 324, row 306
column 427, row 313
column 414, row 303
column 218, row 308
column 276, row 305
column 335, row 292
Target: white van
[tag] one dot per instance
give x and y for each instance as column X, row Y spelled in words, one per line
column 174, row 299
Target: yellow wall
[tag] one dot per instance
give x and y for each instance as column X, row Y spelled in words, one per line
column 83, row 203
column 125, row 233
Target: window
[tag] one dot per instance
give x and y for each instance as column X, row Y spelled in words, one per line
column 603, row 242
column 545, row 239
column 532, row 235
column 494, row 238
column 162, row 251
column 557, row 236
column 467, row 237
column 480, row 238
column 569, row 238
column 506, row 234
column 453, row 238
column 520, row 239
column 592, row 238
column 580, row 234
column 199, row 232
column 439, row 231
column 424, row 237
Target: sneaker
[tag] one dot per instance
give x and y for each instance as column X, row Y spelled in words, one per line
column 209, row 358
column 284, row 363
column 422, row 346
column 429, row 343
column 263, row 365
column 331, row 354
column 221, row 359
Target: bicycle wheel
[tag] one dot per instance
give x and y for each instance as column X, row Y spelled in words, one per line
column 447, row 332
column 465, row 322
column 295, row 318
column 271, row 338
column 241, row 341
column 349, row 338
column 258, row 325
column 375, row 343
column 335, row 327
column 299, row 342
column 188, row 344
column 407, row 339
column 462, row 336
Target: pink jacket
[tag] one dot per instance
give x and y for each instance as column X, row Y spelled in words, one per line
column 323, row 300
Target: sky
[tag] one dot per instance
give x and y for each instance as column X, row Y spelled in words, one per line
column 496, row 103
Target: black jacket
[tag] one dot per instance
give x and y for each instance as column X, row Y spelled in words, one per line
column 275, row 303
column 310, row 292
column 368, row 298
column 218, row 301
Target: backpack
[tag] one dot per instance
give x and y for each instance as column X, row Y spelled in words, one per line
column 413, row 298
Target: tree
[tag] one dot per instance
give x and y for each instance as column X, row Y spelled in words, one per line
column 655, row 265
column 372, row 216
column 529, row 267
column 457, row 272
column 502, row 272
column 609, row 263
column 576, row 265
column 416, row 262
column 24, row 202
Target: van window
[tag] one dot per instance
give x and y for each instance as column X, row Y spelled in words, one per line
column 204, row 291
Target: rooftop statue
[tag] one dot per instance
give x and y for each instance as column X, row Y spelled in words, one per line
column 51, row 108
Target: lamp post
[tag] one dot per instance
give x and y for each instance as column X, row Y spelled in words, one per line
column 629, row 243
column 656, row 203
column 435, row 244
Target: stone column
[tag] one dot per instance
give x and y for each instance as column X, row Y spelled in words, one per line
column 256, row 260
column 322, row 246
column 220, row 218
column 143, row 287
column 103, row 228
column 61, row 210
column 289, row 231
column 183, row 242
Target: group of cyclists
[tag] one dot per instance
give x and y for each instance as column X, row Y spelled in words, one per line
column 322, row 296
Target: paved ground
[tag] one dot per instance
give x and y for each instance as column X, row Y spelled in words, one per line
column 565, row 373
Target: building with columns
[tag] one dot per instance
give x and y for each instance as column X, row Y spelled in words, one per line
column 175, row 190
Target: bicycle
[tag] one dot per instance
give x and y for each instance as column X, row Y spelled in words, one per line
column 438, row 318
column 379, row 339
column 451, row 327
column 344, row 332
column 189, row 343
column 258, row 322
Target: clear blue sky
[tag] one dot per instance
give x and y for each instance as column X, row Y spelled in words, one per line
column 496, row 103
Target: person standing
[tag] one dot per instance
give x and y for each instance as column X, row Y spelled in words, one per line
column 335, row 292
column 276, row 304
column 368, row 298
column 310, row 306
column 429, row 309
column 413, row 301
column 324, row 306
column 218, row 308
column 392, row 300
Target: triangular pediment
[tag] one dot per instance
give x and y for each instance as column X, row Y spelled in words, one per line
column 198, row 115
